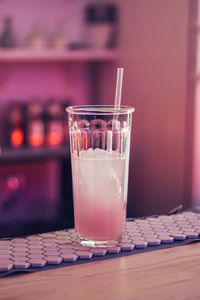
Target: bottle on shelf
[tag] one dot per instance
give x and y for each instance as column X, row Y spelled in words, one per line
column 36, row 39
column 35, row 124
column 75, row 28
column 58, row 40
column 111, row 16
column 15, row 125
column 54, row 123
column 8, row 38
column 102, row 25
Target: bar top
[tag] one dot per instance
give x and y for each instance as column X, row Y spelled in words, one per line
column 164, row 274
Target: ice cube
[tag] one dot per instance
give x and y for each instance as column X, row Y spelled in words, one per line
column 100, row 154
column 87, row 154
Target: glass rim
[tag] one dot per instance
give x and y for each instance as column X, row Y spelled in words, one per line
column 99, row 109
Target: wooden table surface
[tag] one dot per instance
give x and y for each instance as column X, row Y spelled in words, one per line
column 163, row 274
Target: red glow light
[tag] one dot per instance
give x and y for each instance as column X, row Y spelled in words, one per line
column 35, row 139
column 17, row 138
column 54, row 139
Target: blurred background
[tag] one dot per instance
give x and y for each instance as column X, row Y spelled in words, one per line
column 55, row 53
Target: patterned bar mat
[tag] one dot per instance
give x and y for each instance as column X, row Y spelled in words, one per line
column 55, row 249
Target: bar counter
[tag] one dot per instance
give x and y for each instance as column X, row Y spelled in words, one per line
column 162, row 274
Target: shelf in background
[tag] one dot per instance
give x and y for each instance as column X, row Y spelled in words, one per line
column 28, row 154
column 24, row 55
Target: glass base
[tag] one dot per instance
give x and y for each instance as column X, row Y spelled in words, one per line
column 90, row 243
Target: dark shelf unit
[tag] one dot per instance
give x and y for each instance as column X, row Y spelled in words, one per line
column 28, row 154
column 25, row 156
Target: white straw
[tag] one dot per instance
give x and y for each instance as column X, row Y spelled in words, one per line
column 118, row 90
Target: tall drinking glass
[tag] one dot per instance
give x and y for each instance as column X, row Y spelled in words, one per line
column 100, row 146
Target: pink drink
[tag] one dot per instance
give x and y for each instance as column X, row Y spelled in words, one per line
column 99, row 194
